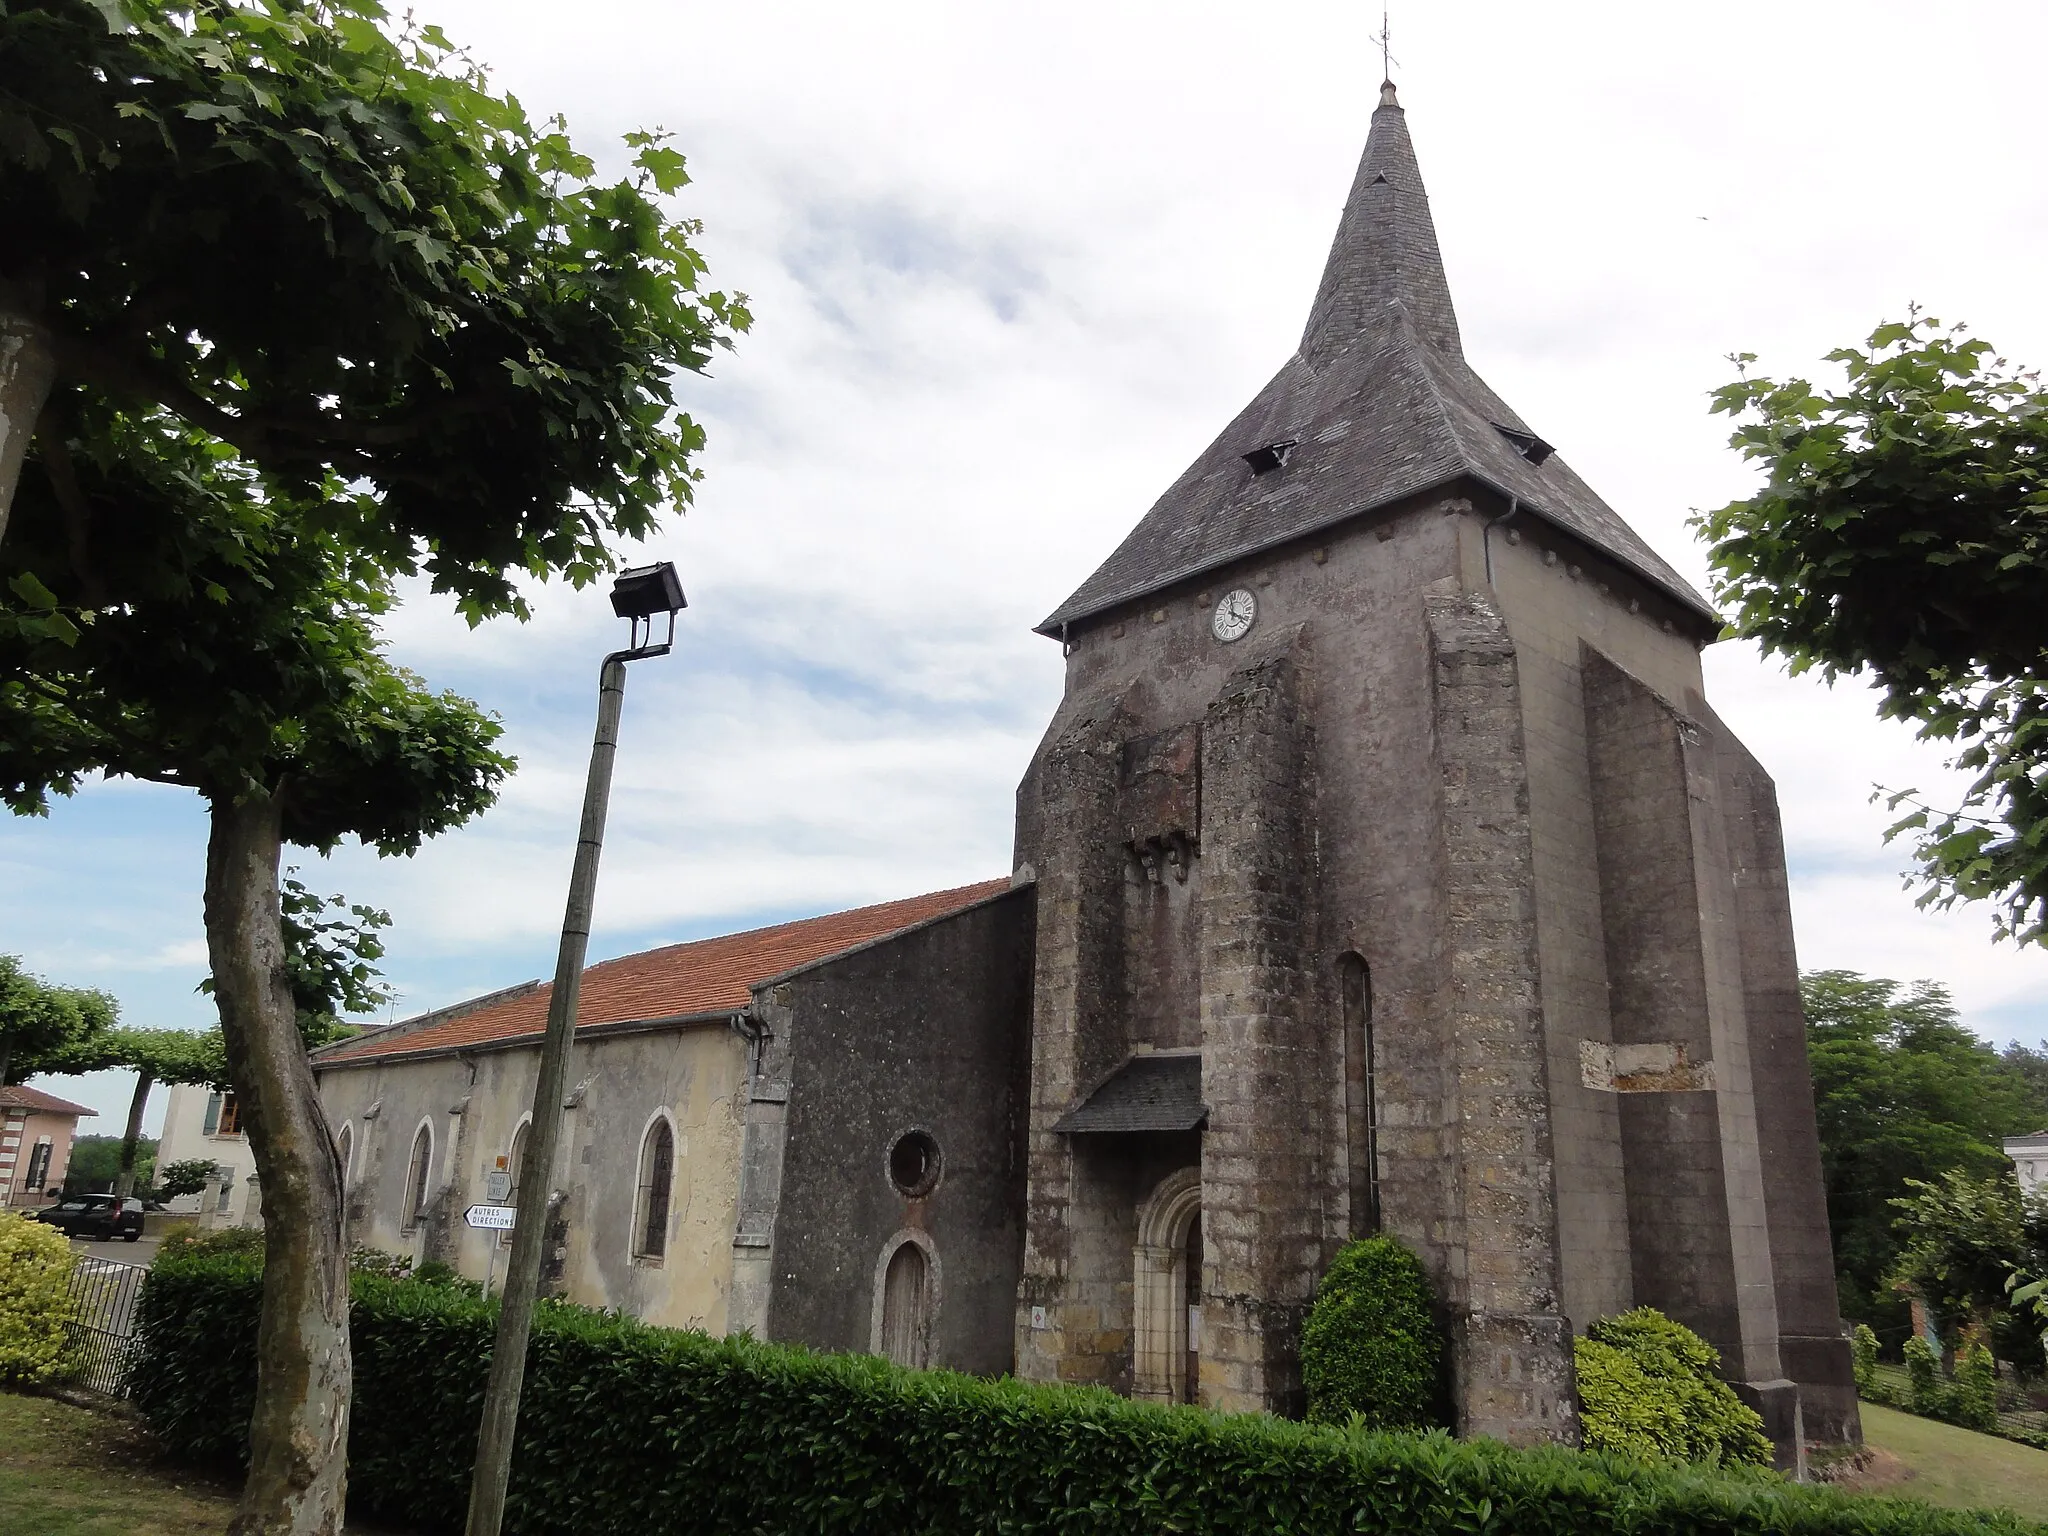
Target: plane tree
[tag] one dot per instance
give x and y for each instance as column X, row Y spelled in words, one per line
column 1901, row 535
column 330, row 947
column 292, row 305
column 336, row 249
column 232, row 649
column 40, row 1024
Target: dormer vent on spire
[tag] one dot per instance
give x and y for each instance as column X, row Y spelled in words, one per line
column 1380, row 380
column 1527, row 444
column 1271, row 456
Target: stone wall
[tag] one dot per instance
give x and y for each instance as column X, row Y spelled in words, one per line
column 924, row 1032
column 1699, row 1242
column 1512, row 1348
column 473, row 1105
column 1265, row 1057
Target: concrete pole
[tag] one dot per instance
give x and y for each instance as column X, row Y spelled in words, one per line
column 522, row 1273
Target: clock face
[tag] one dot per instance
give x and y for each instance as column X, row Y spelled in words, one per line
column 1234, row 614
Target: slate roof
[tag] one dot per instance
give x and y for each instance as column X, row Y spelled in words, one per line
column 37, row 1102
column 1147, row 1093
column 707, row 976
column 1381, row 404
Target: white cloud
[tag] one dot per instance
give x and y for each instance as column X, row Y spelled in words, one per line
column 1014, row 266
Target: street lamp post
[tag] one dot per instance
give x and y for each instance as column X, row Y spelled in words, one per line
column 640, row 595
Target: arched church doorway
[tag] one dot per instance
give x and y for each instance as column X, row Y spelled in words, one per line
column 906, row 1301
column 1167, row 1292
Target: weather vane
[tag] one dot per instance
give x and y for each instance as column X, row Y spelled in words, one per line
column 1386, row 42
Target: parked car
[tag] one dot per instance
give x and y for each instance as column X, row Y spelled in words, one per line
column 98, row 1216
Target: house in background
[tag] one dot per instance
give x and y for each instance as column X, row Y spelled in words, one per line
column 36, row 1131
column 204, row 1122
column 2029, row 1156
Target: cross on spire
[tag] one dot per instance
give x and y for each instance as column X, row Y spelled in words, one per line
column 1385, row 39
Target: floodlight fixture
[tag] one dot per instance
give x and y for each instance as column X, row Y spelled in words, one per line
column 644, row 593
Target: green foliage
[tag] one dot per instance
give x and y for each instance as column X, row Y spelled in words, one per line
column 331, row 949
column 433, row 1272
column 233, row 647
column 1901, row 1091
column 42, row 1026
column 1963, row 1237
column 479, row 335
column 1970, row 1400
column 189, row 1240
column 95, row 1160
column 1926, row 1394
column 365, row 1260
column 1902, row 534
column 1974, row 1403
column 187, row 1176
column 1371, row 1345
column 1648, row 1388
column 330, row 946
column 626, row 1428
column 35, row 1275
column 1863, row 1353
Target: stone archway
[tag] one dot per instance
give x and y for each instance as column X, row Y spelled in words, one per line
column 1161, row 1356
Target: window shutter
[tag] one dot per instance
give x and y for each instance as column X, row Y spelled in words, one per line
column 212, row 1114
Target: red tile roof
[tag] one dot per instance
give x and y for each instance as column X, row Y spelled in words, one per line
column 706, row 976
column 38, row 1102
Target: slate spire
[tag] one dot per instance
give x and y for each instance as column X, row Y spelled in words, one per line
column 1378, row 404
column 1385, row 252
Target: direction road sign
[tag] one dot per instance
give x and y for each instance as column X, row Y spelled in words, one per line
column 492, row 1218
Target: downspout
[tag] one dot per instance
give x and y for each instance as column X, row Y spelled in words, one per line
column 1486, row 534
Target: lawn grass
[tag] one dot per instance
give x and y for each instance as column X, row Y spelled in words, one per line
column 1959, row 1468
column 68, row 1471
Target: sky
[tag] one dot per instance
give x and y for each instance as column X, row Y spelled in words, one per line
column 1013, row 266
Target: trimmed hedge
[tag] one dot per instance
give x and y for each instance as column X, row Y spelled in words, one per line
column 1370, row 1345
column 632, row 1429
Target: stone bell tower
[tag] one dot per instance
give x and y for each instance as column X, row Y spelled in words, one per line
column 1394, row 873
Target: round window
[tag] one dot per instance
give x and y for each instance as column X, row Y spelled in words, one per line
column 914, row 1164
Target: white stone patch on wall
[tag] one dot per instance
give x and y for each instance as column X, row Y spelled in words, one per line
column 1658, row 1067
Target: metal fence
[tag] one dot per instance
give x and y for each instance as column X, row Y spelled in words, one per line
column 102, row 1323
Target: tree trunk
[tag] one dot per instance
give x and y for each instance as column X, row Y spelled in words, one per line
column 298, row 1436
column 28, row 367
column 124, row 1181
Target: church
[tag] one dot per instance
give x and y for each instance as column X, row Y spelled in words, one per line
column 1383, row 869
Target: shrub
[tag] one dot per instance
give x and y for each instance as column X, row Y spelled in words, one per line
column 1648, row 1389
column 1863, row 1352
column 626, row 1428
column 1925, row 1393
column 434, row 1272
column 189, row 1240
column 1973, row 1401
column 1371, row 1345
column 365, row 1260
column 35, row 1299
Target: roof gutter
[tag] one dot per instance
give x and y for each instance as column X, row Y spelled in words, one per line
column 1687, row 601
